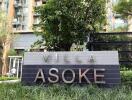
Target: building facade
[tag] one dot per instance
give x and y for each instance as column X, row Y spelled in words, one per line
column 22, row 16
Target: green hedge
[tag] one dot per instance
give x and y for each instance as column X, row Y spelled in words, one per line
column 126, row 77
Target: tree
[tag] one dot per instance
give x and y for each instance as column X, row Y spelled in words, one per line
column 124, row 7
column 6, row 36
column 121, row 29
column 63, row 22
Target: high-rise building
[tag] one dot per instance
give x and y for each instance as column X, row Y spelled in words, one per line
column 1, row 4
column 22, row 16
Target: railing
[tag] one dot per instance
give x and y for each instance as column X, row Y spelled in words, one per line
column 36, row 14
column 16, row 23
column 19, row 13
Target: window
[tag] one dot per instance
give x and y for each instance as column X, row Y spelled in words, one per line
column 38, row 3
column 36, row 20
column 25, row 2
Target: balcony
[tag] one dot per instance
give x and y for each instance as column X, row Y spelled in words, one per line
column 36, row 14
column 17, row 4
column 19, row 13
column 16, row 22
column 44, row 1
column 36, row 23
column 36, row 5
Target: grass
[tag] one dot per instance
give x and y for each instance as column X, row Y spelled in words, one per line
column 4, row 78
column 61, row 92
column 65, row 92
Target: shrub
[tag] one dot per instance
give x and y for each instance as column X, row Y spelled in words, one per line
column 126, row 77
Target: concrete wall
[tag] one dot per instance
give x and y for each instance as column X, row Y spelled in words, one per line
column 24, row 41
column 71, row 58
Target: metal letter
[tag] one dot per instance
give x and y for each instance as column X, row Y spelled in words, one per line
column 46, row 58
column 98, row 76
column 40, row 75
column 73, row 76
column 81, row 75
column 54, row 75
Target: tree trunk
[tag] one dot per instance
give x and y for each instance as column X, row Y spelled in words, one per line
column 5, row 61
column 6, row 48
column 0, row 67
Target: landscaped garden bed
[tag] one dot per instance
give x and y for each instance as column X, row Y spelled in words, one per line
column 126, row 77
column 63, row 92
column 18, row 91
column 5, row 79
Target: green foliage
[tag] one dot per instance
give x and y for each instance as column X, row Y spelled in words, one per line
column 4, row 78
column 5, row 27
column 121, row 29
column 126, row 77
column 61, row 92
column 78, row 47
column 125, row 68
column 65, row 22
column 113, row 38
column 3, row 24
column 12, row 52
column 124, row 7
column 118, row 47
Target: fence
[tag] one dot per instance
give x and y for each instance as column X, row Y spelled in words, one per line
column 15, row 66
column 122, row 42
